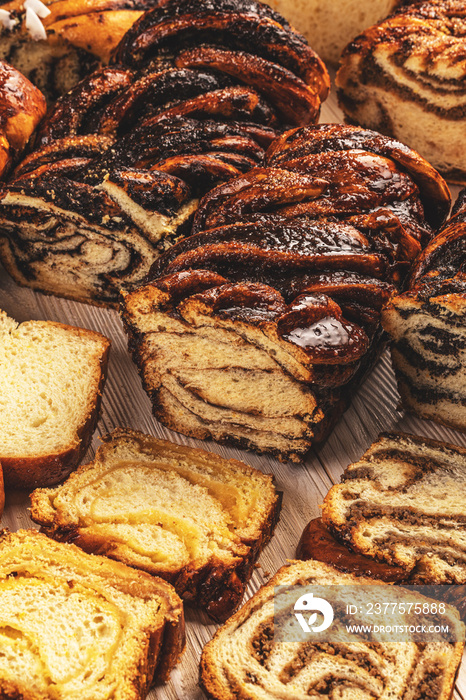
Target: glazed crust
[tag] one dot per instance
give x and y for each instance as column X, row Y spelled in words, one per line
column 22, row 107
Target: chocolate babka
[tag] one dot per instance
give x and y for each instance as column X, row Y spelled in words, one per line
column 405, row 77
column 403, row 503
column 428, row 328
column 257, row 327
column 200, row 90
column 258, row 654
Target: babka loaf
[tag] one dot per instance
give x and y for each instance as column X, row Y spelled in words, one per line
column 22, row 106
column 257, row 327
column 427, row 325
column 248, row 659
column 200, row 91
column 331, row 24
column 79, row 627
column 51, row 382
column 191, row 517
column 403, row 503
column 56, row 43
column 406, row 77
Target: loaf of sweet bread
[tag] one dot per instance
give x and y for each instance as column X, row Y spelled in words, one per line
column 56, row 43
column 405, row 77
column 189, row 516
column 257, row 327
column 51, row 382
column 198, row 92
column 247, row 658
column 403, row 504
column 80, row 627
column 428, row 329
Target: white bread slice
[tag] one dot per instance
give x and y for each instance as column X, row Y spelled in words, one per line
column 51, row 382
column 246, row 660
column 189, row 516
column 404, row 503
column 80, row 627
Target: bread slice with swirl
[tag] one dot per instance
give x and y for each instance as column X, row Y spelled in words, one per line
column 404, row 503
column 75, row 626
column 428, row 330
column 405, row 77
column 247, row 659
column 191, row 517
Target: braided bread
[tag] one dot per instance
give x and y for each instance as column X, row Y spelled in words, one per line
column 257, row 327
column 428, row 330
column 247, row 657
column 406, row 77
column 22, row 106
column 123, row 158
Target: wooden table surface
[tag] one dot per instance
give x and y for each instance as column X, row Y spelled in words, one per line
column 374, row 409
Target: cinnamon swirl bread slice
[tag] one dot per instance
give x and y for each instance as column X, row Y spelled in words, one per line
column 75, row 626
column 405, row 77
column 193, row 518
column 404, row 503
column 245, row 659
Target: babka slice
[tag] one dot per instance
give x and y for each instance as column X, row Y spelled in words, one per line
column 79, row 627
column 427, row 325
column 191, row 517
column 405, row 77
column 249, row 657
column 404, row 503
column 256, row 328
